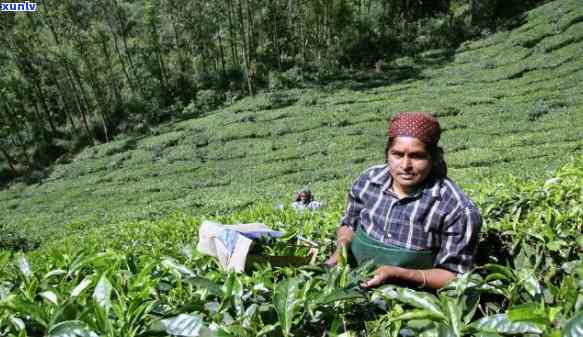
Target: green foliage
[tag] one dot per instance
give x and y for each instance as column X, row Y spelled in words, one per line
column 90, row 72
column 115, row 260
column 12, row 240
column 208, row 100
column 142, row 278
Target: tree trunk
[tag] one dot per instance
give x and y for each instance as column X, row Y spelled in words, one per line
column 8, row 159
column 65, row 103
column 233, row 36
column 38, row 120
column 222, row 54
column 275, row 42
column 46, row 109
column 50, row 23
column 290, row 10
column 9, row 117
column 163, row 74
column 120, row 56
column 122, row 27
column 114, row 90
column 78, row 101
column 252, row 45
column 22, row 147
column 81, row 91
column 246, row 58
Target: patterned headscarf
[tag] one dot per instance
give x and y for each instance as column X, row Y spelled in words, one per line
column 415, row 124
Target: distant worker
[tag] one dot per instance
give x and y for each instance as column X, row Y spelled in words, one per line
column 411, row 219
column 305, row 200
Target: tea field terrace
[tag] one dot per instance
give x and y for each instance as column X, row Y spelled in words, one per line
column 509, row 103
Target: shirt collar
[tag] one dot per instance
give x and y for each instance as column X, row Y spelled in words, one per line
column 384, row 178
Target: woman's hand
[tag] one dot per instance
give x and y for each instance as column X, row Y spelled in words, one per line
column 382, row 275
column 333, row 260
column 431, row 278
column 343, row 238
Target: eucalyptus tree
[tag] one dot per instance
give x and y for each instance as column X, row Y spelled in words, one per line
column 152, row 53
column 14, row 126
column 181, row 19
column 5, row 134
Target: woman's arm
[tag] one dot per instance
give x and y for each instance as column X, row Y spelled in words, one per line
column 344, row 236
column 431, row 278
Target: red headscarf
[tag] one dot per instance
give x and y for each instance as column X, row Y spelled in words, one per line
column 420, row 125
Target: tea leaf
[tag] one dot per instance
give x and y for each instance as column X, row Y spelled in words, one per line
column 50, row 296
column 416, row 314
column 24, row 266
column 530, row 282
column 574, row 327
column 181, row 269
column 17, row 323
column 338, row 295
column 102, row 293
column 501, row 324
column 527, row 312
column 417, row 299
column 81, row 287
column 287, row 303
column 71, row 329
column 186, row 325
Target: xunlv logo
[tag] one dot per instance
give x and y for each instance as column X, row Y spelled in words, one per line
column 18, row 7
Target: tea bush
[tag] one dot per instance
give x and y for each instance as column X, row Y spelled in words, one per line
column 145, row 278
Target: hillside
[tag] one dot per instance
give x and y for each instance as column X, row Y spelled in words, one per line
column 509, row 104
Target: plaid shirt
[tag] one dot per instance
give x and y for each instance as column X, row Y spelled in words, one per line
column 439, row 217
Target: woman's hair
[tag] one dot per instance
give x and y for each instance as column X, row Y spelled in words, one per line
column 439, row 166
column 310, row 196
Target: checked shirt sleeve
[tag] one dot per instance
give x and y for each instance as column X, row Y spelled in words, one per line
column 459, row 240
column 355, row 203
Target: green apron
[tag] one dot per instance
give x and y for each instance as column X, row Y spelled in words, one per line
column 365, row 248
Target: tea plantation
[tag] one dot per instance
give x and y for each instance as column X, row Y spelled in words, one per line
column 115, row 228
column 509, row 103
column 144, row 278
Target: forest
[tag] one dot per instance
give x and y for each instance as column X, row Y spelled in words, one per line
column 79, row 73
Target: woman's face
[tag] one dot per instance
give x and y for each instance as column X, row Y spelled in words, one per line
column 409, row 163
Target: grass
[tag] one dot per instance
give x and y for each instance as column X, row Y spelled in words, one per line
column 509, row 104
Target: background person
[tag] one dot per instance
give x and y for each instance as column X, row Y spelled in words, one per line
column 407, row 215
column 305, row 200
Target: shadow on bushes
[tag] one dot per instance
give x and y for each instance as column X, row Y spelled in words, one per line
column 492, row 249
column 13, row 242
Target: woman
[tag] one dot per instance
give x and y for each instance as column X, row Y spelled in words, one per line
column 407, row 215
column 305, row 200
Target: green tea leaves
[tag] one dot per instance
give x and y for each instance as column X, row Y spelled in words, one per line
column 71, row 329
column 24, row 266
column 50, row 296
column 177, row 267
column 102, row 293
column 149, row 284
column 414, row 298
column 287, row 301
column 502, row 324
column 574, row 327
column 85, row 283
column 338, row 295
column 187, row 325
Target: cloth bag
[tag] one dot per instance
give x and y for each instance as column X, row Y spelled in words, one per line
column 365, row 248
column 231, row 243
